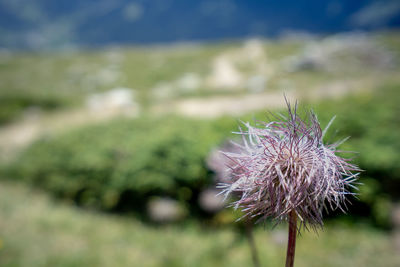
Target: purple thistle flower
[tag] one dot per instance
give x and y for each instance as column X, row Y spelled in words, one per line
column 284, row 168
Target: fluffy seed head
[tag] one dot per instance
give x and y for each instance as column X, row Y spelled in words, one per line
column 284, row 166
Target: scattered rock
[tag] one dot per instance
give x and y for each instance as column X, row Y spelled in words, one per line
column 256, row 83
column 165, row 210
column 163, row 90
column 253, row 50
column 116, row 100
column 211, row 201
column 224, row 74
column 114, row 56
column 231, row 69
column 189, row 82
column 108, row 75
column 345, row 51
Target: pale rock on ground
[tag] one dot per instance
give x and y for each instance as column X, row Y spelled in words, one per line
column 163, row 90
column 164, row 210
column 99, row 107
column 349, row 51
column 189, row 82
column 256, row 83
column 225, row 72
column 211, row 201
column 120, row 100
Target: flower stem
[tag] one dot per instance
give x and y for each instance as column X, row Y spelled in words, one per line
column 291, row 239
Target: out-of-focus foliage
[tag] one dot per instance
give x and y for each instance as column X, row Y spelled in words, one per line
column 372, row 122
column 13, row 105
column 66, row 79
column 122, row 161
column 36, row 231
column 157, row 75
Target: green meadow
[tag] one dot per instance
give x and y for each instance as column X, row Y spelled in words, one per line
column 89, row 138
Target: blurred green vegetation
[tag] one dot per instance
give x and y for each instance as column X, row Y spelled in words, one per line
column 372, row 121
column 52, row 80
column 121, row 163
column 36, row 231
column 122, row 160
column 65, row 79
column 13, row 105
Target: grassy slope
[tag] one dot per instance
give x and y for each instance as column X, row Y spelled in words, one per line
column 57, row 80
column 35, row 231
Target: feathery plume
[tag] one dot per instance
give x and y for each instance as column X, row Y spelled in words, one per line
column 284, row 168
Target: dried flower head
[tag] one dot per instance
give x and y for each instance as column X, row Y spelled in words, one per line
column 284, row 167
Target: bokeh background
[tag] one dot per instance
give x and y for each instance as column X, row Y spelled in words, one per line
column 111, row 113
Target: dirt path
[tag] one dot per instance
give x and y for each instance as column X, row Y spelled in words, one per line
column 18, row 135
column 238, row 105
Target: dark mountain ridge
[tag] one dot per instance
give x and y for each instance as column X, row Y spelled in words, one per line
column 48, row 24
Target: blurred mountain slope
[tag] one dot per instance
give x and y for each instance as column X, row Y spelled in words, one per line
column 43, row 24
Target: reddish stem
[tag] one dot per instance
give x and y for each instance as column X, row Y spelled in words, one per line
column 291, row 239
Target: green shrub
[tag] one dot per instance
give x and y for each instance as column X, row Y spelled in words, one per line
column 373, row 123
column 13, row 105
column 122, row 161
